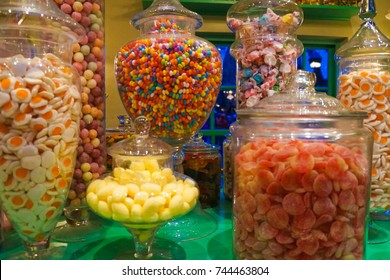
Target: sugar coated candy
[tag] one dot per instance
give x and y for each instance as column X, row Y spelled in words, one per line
column 284, row 209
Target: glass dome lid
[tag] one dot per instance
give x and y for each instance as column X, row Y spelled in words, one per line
column 197, row 144
column 300, row 99
column 141, row 144
column 166, row 8
column 279, row 14
column 368, row 39
column 30, row 17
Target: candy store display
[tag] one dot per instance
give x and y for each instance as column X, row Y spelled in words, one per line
column 88, row 59
column 143, row 192
column 364, row 84
column 168, row 74
column 266, row 46
column 40, row 111
column 302, row 177
column 202, row 162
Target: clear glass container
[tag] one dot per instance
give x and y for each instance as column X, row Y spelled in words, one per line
column 114, row 135
column 301, row 177
column 227, row 167
column 40, row 112
column 266, row 46
column 142, row 193
column 364, row 84
column 168, row 74
column 88, row 59
column 202, row 162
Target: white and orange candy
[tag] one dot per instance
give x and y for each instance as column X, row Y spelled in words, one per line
column 36, row 161
column 370, row 91
column 299, row 200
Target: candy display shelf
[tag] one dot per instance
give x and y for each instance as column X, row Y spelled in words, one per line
column 311, row 12
column 216, row 246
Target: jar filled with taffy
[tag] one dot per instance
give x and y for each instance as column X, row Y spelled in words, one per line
column 302, row 166
column 364, row 84
column 266, row 47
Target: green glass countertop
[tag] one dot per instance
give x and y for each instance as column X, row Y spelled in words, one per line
column 113, row 238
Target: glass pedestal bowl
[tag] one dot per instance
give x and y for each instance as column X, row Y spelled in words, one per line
column 142, row 198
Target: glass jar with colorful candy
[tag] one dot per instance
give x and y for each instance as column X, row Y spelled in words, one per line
column 168, row 74
column 301, row 177
column 266, row 47
column 364, row 84
column 40, row 111
column 88, row 58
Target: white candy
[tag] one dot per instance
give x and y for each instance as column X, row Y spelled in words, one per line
column 31, row 162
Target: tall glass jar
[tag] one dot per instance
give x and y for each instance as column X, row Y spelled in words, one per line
column 40, row 111
column 168, row 74
column 364, row 84
column 202, row 162
column 88, row 58
column 302, row 177
column 266, row 46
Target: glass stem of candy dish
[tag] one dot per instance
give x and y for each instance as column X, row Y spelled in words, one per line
column 143, row 240
column 36, row 250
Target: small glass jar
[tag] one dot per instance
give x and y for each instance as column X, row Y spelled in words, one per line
column 168, row 74
column 301, row 177
column 227, row 167
column 123, row 131
column 364, row 84
column 202, row 162
column 266, row 47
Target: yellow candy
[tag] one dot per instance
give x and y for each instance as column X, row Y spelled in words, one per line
column 132, row 189
column 104, row 210
column 165, row 214
column 190, row 194
column 92, row 200
column 151, row 188
column 176, row 204
column 151, row 165
column 105, row 191
column 288, row 18
column 137, row 166
column 120, row 211
column 129, row 202
column 141, row 197
column 150, row 217
column 119, row 193
column 136, row 210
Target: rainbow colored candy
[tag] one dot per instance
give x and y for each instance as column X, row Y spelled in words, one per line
column 171, row 79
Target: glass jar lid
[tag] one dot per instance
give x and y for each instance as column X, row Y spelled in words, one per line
column 166, row 8
column 300, row 99
column 198, row 145
column 141, row 144
column 276, row 16
column 368, row 39
column 28, row 18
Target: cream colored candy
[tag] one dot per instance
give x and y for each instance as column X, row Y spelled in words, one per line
column 31, row 162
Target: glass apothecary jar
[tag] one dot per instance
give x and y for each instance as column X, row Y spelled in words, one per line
column 202, row 162
column 266, row 47
column 168, row 74
column 364, row 84
column 40, row 112
column 302, row 177
column 142, row 192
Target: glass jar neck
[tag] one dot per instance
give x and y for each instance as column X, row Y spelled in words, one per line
column 168, row 25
